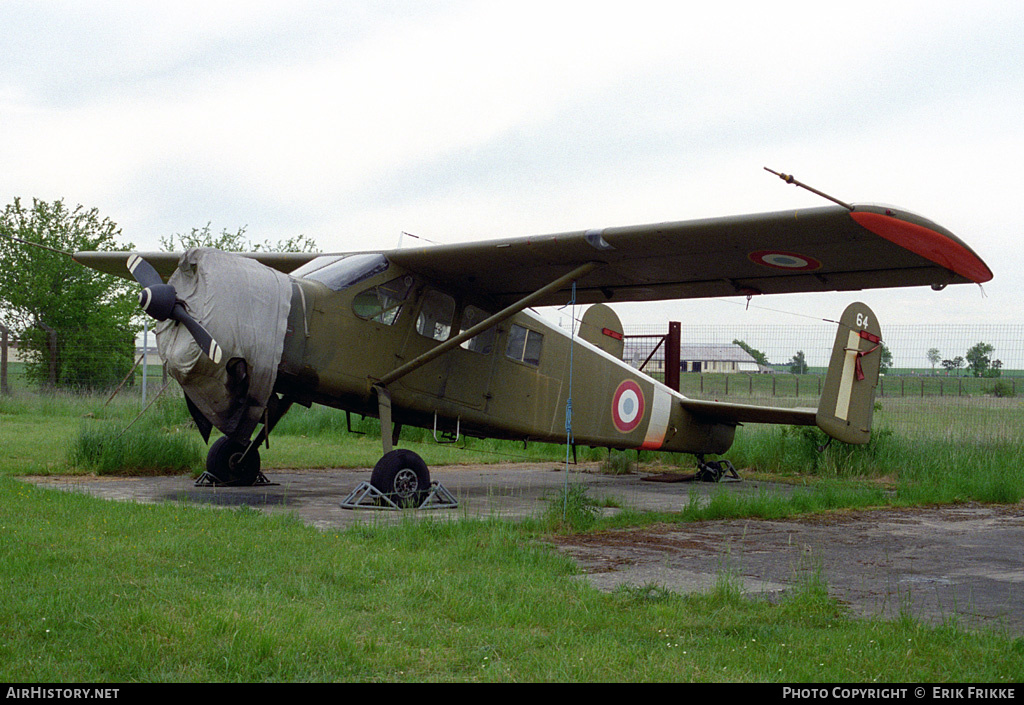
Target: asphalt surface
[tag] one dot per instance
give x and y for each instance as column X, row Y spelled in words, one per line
column 963, row 563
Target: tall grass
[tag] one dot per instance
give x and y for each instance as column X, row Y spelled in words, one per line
column 161, row 441
column 920, row 470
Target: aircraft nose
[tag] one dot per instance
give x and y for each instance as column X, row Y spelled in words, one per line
column 244, row 305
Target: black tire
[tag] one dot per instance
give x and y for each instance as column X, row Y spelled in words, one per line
column 403, row 477
column 222, row 462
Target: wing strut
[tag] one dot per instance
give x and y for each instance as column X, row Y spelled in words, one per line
column 497, row 318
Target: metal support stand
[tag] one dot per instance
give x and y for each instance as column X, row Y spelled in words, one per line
column 716, row 471
column 366, row 496
column 208, row 480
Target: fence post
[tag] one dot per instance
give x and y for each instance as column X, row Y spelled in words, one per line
column 4, row 389
column 51, row 346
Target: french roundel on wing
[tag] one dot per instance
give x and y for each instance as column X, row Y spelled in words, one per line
column 628, row 406
column 785, row 260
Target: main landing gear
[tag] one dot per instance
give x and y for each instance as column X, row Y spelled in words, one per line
column 403, row 477
column 400, row 479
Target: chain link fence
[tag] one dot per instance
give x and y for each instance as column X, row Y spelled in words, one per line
column 926, row 389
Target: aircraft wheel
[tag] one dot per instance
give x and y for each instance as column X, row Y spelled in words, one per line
column 403, row 477
column 223, row 462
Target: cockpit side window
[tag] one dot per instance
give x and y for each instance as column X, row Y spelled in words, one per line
column 483, row 342
column 436, row 314
column 342, row 271
column 383, row 303
column 524, row 345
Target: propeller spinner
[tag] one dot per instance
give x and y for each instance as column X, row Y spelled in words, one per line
column 161, row 302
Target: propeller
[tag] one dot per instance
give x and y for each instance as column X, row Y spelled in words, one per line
column 161, row 302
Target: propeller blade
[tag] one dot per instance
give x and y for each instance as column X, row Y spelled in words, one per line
column 143, row 272
column 159, row 300
column 203, row 339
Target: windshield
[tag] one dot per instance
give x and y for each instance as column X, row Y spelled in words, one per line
column 341, row 271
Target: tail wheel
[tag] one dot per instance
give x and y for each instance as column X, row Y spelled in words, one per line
column 224, row 462
column 403, row 477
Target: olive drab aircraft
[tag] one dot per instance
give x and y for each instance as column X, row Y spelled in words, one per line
column 444, row 337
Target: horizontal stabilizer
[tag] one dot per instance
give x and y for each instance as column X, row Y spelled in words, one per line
column 848, row 396
column 724, row 412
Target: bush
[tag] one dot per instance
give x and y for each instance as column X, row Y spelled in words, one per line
column 1002, row 389
column 106, row 450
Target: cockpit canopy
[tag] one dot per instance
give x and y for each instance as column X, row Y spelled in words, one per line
column 339, row 272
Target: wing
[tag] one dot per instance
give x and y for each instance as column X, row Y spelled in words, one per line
column 165, row 263
column 821, row 249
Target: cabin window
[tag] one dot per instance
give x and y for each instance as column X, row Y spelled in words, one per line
column 436, row 314
column 482, row 343
column 524, row 345
column 383, row 303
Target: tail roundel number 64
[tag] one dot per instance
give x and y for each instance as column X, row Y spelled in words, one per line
column 628, row 406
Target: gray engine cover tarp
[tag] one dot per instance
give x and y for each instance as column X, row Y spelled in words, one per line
column 244, row 305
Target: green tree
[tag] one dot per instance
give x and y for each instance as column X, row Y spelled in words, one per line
column 978, row 359
column 980, row 362
column 885, row 364
column 234, row 242
column 798, row 365
column 758, row 356
column 952, row 365
column 934, row 357
column 74, row 324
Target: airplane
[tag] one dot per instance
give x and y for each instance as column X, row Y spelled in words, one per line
column 444, row 336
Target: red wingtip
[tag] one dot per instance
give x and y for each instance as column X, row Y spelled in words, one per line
column 939, row 248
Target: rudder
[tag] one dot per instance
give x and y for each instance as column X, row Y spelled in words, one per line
column 848, row 397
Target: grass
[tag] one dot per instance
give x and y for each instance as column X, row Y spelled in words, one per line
column 103, row 591
column 94, row 591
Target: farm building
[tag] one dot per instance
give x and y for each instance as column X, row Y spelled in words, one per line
column 716, row 358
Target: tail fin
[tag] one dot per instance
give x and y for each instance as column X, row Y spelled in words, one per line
column 848, row 398
column 601, row 326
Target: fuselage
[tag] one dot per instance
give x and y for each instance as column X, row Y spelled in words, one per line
column 348, row 329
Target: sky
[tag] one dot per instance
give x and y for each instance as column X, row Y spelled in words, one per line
column 352, row 122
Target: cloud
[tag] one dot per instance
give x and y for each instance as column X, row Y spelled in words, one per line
column 351, row 122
